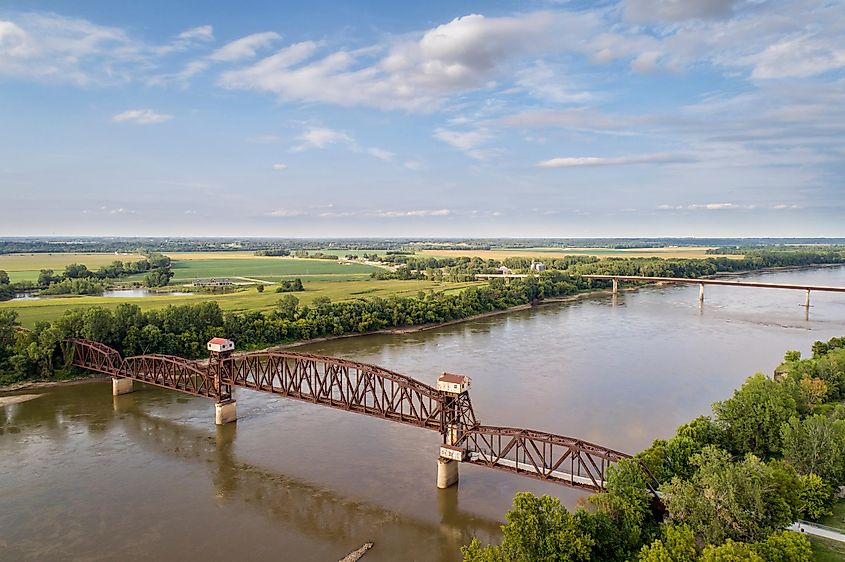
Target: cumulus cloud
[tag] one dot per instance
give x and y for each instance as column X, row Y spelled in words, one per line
column 245, row 47
column 578, row 161
column 414, row 74
column 141, row 117
column 279, row 166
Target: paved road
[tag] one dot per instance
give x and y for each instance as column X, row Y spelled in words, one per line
column 817, row 530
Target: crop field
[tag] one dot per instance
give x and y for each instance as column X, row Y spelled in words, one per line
column 262, row 268
column 26, row 267
column 31, row 311
column 668, row 252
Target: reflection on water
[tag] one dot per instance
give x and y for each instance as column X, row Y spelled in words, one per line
column 135, row 293
column 147, row 474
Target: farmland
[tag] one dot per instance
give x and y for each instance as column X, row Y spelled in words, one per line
column 25, row 267
column 690, row 252
column 190, row 266
column 339, row 281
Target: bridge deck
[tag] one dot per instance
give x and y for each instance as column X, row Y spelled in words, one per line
column 369, row 390
column 725, row 282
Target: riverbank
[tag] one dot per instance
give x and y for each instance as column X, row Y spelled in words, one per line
column 436, row 325
column 31, row 385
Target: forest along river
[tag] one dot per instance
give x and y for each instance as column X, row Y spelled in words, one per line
column 148, row 476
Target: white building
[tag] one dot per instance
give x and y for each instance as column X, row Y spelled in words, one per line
column 453, row 384
column 219, row 345
column 538, row 266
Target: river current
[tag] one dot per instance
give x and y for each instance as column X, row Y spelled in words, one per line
column 147, row 475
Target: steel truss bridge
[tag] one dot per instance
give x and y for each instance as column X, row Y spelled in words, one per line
column 369, row 390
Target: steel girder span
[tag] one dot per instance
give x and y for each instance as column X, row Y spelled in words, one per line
column 369, row 390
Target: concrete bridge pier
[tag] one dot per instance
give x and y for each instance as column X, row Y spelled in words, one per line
column 225, row 412
column 121, row 386
column 447, row 473
column 701, row 292
column 807, row 299
column 616, row 286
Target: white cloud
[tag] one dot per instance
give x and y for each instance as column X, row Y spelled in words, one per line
column 322, row 137
column 706, row 207
column 412, row 73
column 279, row 166
column 467, row 142
column 413, row 164
column 245, row 47
column 141, row 117
column 572, row 162
column 286, row 213
column 416, row 213
column 201, row 33
column 380, row 153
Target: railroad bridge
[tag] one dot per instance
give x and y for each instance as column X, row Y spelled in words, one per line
column 364, row 389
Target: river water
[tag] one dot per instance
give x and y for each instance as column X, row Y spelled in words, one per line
column 148, row 476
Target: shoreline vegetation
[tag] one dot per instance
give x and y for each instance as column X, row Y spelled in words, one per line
column 731, row 483
column 183, row 330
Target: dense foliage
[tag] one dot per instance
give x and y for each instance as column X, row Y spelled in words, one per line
column 773, row 453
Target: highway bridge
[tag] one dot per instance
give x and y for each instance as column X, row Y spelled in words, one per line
column 616, row 279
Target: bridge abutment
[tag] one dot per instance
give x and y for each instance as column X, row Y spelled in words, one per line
column 121, row 386
column 225, row 412
column 447, row 473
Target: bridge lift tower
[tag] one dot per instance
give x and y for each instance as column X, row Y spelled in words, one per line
column 225, row 409
column 457, row 415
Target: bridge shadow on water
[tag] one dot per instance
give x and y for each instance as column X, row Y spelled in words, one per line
column 310, row 509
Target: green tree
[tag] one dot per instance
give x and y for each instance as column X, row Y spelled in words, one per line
column 727, row 500
column 815, row 445
column 752, row 417
column 287, row 306
column 816, row 497
column 538, row 529
column 730, row 551
column 260, row 288
column 785, row 546
column 677, row 544
column 4, row 278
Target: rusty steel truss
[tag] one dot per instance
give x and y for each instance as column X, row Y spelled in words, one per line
column 370, row 390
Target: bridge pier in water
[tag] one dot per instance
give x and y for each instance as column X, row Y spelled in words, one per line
column 701, row 292
column 225, row 412
column 120, row 386
column 447, row 473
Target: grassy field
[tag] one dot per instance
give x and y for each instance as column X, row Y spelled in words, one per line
column 262, row 267
column 26, row 267
column 825, row 550
column 31, row 311
column 837, row 520
column 669, row 252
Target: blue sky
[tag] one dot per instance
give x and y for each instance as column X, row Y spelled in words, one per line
column 435, row 119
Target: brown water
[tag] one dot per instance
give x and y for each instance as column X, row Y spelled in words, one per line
column 148, row 476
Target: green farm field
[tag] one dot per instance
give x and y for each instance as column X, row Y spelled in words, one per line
column 26, row 267
column 262, row 267
column 31, row 311
column 690, row 252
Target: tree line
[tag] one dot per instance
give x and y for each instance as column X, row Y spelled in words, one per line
column 77, row 279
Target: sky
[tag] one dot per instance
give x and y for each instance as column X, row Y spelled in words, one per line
column 330, row 118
